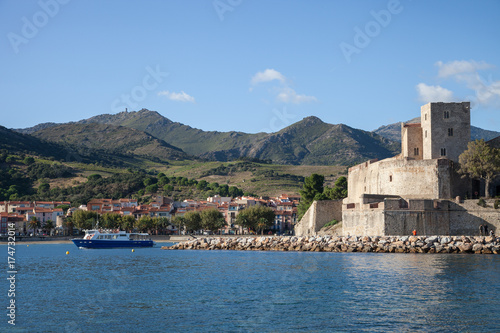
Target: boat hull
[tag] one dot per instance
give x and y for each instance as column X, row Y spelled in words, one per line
column 108, row 244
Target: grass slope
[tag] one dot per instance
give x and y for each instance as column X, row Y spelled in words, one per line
column 114, row 139
column 309, row 141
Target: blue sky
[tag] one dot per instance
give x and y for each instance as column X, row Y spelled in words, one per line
column 248, row 65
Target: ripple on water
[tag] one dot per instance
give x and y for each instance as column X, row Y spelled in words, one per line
column 117, row 290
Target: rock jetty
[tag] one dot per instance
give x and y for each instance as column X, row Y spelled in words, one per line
column 383, row 244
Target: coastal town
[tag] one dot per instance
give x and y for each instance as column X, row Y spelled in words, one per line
column 53, row 215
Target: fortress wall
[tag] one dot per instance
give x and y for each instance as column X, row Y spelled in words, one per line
column 427, row 179
column 319, row 214
column 363, row 222
column 466, row 217
column 427, row 217
column 424, row 222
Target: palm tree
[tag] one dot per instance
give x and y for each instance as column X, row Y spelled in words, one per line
column 34, row 224
column 49, row 225
column 69, row 226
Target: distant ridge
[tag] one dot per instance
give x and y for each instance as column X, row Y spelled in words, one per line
column 393, row 131
column 114, row 139
column 309, row 141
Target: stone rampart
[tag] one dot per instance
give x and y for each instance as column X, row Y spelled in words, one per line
column 427, row 217
column 319, row 214
column 383, row 244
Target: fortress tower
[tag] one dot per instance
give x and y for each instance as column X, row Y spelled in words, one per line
column 445, row 129
column 443, row 132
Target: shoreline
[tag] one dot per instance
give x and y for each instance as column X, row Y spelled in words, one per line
column 379, row 244
column 67, row 239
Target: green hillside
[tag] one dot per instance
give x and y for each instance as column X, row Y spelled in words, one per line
column 309, row 141
column 112, row 139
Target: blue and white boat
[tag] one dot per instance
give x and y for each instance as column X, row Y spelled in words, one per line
column 102, row 239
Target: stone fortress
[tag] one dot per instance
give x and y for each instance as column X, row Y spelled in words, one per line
column 419, row 189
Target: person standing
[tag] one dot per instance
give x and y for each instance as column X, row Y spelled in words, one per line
column 414, row 232
column 481, row 230
column 486, row 230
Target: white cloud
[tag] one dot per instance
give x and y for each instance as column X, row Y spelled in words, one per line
column 266, row 76
column 457, row 67
column 486, row 92
column 433, row 93
column 283, row 92
column 288, row 95
column 179, row 97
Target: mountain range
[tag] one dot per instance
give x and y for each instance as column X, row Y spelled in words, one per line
column 148, row 134
column 393, row 131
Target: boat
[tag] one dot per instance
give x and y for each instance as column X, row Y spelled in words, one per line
column 103, row 239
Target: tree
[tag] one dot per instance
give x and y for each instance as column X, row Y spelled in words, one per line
column 480, row 161
column 83, row 219
column 202, row 185
column 64, row 208
column 43, row 189
column 168, row 189
column 49, row 225
column 94, row 177
column 256, row 217
column 161, row 223
column 110, row 221
column 34, row 224
column 313, row 185
column 339, row 191
column 235, row 192
column 145, row 223
column 312, row 189
column 193, row 221
column 153, row 188
column 69, row 225
column 179, row 222
column 163, row 180
column 212, row 219
column 127, row 223
column 28, row 160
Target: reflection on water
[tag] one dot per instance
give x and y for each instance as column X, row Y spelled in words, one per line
column 117, row 290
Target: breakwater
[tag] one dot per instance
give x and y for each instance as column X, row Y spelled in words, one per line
column 383, row 244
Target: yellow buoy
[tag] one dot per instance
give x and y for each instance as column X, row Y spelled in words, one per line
column 28, row 245
column 133, row 250
column 67, row 252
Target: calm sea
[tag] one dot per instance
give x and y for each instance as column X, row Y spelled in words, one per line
column 151, row 290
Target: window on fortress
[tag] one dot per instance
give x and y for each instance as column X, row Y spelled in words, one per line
column 425, row 133
column 443, row 151
column 390, row 178
column 450, row 131
column 415, row 151
column 446, row 114
column 425, row 116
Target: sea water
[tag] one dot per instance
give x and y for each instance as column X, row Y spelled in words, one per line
column 153, row 290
